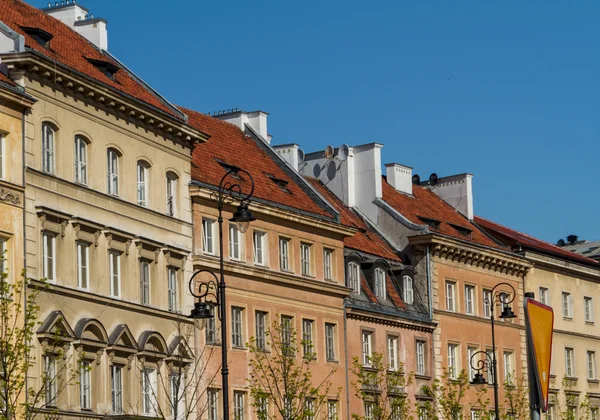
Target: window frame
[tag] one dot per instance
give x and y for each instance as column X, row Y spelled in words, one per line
column 172, row 182
column 453, row 354
column 569, row 362
column 588, row 309
column 80, row 267
column 367, row 347
column 470, row 293
column 544, row 293
column 379, row 283
column 451, row 301
column 471, row 350
column 308, row 344
column 508, row 357
column 51, row 375
column 354, row 284
column 49, row 261
column 145, row 282
column 487, row 302
column 393, row 346
column 237, row 327
column 172, row 289
column 260, row 327
column 592, row 365
column 328, row 264
column 284, row 254
column 112, row 257
column 421, row 355
column 330, row 348
column 81, row 153
column 85, row 385
column 259, row 242
column 210, row 335
column 212, row 405
column 408, row 289
column 143, row 183
column 48, row 147
column 567, row 310
column 305, row 259
column 112, row 171
column 116, row 389
column 2, row 154
column 235, row 243
column 149, row 381
column 239, row 410
column 208, row 236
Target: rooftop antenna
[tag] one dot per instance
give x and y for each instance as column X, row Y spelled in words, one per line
column 343, row 153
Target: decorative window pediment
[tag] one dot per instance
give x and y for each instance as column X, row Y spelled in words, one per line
column 117, row 239
column 86, row 230
column 122, row 345
column 53, row 220
column 175, row 257
column 55, row 329
column 148, row 249
column 180, row 352
column 91, row 339
column 152, row 346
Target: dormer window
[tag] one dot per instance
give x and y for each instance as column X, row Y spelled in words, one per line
column 462, row 230
column 379, row 283
column 39, row 35
column 107, row 68
column 432, row 223
column 234, row 169
column 281, row 183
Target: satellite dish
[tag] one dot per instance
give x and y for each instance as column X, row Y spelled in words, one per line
column 300, row 155
column 416, row 179
column 343, row 152
column 433, row 179
column 329, row 151
column 561, row 242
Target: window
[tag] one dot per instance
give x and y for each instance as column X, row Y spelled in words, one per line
column 261, row 329
column 490, row 372
column 354, row 277
column 544, row 296
column 50, row 379
column 234, row 243
column 259, row 248
column 327, row 264
column 116, row 385
column 569, row 362
column 83, row 265
column 367, row 347
column 287, row 329
column 392, row 344
column 113, row 171
column 369, row 411
column 332, row 410
column 171, row 193
column 48, row 134
column 80, row 160
column 85, row 385
column 3, row 256
column 591, row 365
column 262, row 407
column 379, row 283
column 588, row 309
column 49, row 257
column 567, row 305
column 330, row 342
column 208, row 246
column 148, row 390
column 594, row 414
column 142, row 183
column 305, row 259
column 407, row 283
column 475, row 414
column 211, row 327
column 503, row 300
column 239, row 405
column 172, row 288
column 470, row 300
column 307, row 337
column 237, row 338
column 144, row 282
column 451, row 296
column 284, row 254
column 213, row 404
column 453, row 367
column 176, row 397
column 509, row 367
column 421, row 368
column 2, row 156
column 470, row 352
column 114, row 267
column 309, row 405
column 487, row 303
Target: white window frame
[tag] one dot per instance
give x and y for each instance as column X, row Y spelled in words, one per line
column 354, row 277
column 421, row 361
column 259, row 242
column 490, row 372
column 208, row 236
column 212, row 404
column 305, row 263
column 407, row 287
column 239, row 405
column 379, row 283
column 451, row 296
column 83, row 270
column 330, row 353
column 85, row 386
column 328, row 264
column 470, row 352
column 509, row 371
column 148, row 391
column 367, row 347
column 143, row 178
column 49, row 257
column 453, row 360
column 368, row 410
column 392, row 347
column 487, row 303
column 112, row 170
column 81, row 146
column 114, row 273
column 569, row 362
column 51, row 378
column 284, row 254
column 237, row 327
column 260, row 326
column 592, row 367
column 332, row 410
column 145, row 281
column 172, row 288
column 2, row 154
column 171, row 193
column 567, row 305
column 177, row 397
column 307, row 337
column 4, row 255
column 48, row 147
column 588, row 308
column 470, row 299
column 211, row 335
column 116, row 388
column 287, row 329
column 544, row 293
column 235, row 243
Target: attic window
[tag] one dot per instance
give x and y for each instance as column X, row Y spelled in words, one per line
column 462, row 230
column 39, row 35
column 234, row 169
column 281, row 183
column 432, row 223
column 109, row 69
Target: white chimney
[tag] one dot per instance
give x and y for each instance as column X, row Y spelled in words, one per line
column 255, row 119
column 399, row 177
column 80, row 20
column 457, row 190
column 290, row 153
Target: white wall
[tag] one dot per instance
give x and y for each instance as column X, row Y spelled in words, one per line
column 457, row 190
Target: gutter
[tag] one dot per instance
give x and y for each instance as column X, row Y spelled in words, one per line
column 346, row 359
column 429, row 287
column 25, row 288
column 398, row 216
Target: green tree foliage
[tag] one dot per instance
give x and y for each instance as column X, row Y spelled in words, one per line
column 566, row 403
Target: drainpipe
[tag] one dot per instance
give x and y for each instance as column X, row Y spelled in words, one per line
column 429, row 283
column 346, row 358
column 23, row 184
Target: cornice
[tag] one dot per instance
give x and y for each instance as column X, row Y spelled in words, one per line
column 13, row 95
column 559, row 265
column 388, row 321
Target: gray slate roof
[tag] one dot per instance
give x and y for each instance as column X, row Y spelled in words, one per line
column 590, row 249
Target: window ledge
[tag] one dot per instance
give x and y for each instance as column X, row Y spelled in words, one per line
column 332, row 361
column 593, row 381
column 424, row 377
column 589, row 322
column 214, row 344
column 567, row 318
column 238, row 348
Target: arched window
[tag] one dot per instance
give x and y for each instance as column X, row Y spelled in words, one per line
column 171, row 193
column 407, row 283
column 353, row 277
column 81, row 174
column 380, row 283
column 48, row 135
column 113, row 171
column 142, row 182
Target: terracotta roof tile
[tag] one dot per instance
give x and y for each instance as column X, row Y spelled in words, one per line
column 5, row 79
column 364, row 286
column 515, row 239
column 426, row 204
column 72, row 50
column 366, row 240
column 229, row 144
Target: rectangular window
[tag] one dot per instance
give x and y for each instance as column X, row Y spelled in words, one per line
column 3, row 256
column 470, row 352
column 239, row 405
column 261, row 330
column 211, row 327
column 144, row 282
column 594, row 414
column 47, row 148
column 116, row 385
column 171, row 197
column 487, row 303
column 591, row 365
column 369, row 411
column 148, row 390
column 309, row 405
column 569, row 362
column 208, row 246
column 113, row 172
column 567, row 305
column 475, row 414
column 509, row 367
column 234, row 243
column 332, row 410
column 80, row 160
column 212, row 404
column 305, row 258
column 237, row 337
column 380, row 283
column 284, row 254
column 50, row 379
column 544, row 295
column 354, row 277
column 114, row 267
column 407, row 283
column 176, row 397
column 172, row 288
column 451, row 296
column 85, row 385
column 330, row 342
column 49, row 257
column 262, row 408
column 142, row 184
column 259, row 239
column 328, row 264
column 490, row 372
column 287, row 329
column 470, row 300
column 421, row 367
column 588, row 309
column 392, row 344
column 2, row 156
column 453, row 362
column 83, row 262
column 307, row 338
column 367, row 347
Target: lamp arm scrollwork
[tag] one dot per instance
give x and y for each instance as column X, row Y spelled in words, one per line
column 496, row 296
column 481, row 364
column 206, row 289
column 229, row 191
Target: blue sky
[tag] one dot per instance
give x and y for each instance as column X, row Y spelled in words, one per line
column 506, row 90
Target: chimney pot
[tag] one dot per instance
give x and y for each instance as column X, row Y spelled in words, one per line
column 572, row 238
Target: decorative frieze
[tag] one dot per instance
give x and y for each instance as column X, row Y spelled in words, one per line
column 11, row 197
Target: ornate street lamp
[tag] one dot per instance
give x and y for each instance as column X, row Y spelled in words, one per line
column 228, row 193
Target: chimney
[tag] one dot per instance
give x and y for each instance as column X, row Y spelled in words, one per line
column 572, row 239
column 255, row 119
column 457, row 190
column 80, row 20
column 399, row 177
column 291, row 153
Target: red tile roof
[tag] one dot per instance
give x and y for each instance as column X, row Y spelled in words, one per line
column 229, row 144
column 72, row 50
column 393, row 293
column 426, row 204
column 366, row 240
column 5, row 79
column 515, row 239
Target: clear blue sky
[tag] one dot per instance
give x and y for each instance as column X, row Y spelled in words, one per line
column 506, row 90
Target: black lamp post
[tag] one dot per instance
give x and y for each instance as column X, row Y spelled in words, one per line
column 228, row 193
column 497, row 298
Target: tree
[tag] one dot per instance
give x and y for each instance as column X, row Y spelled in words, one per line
column 280, row 374
column 566, row 405
column 516, row 399
column 382, row 390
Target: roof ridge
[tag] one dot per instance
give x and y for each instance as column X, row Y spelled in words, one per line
column 520, row 233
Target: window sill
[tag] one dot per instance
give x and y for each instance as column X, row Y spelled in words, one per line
column 567, row 318
column 239, row 348
column 589, row 322
column 423, row 377
column 593, row 381
column 214, row 344
column 332, row 361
